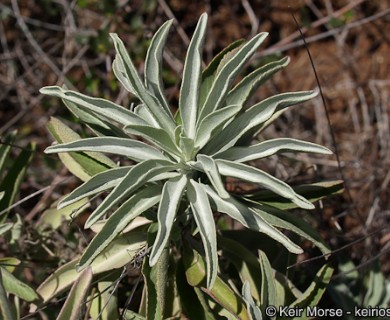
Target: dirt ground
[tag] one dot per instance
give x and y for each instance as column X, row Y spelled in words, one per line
column 51, row 42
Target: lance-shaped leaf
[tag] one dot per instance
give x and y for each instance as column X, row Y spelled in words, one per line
column 253, row 310
column 228, row 73
column 157, row 136
column 211, row 170
column 98, row 183
column 254, row 116
column 269, row 148
column 164, row 119
column 248, row 218
column 247, row 173
column 145, row 114
column 203, row 215
column 268, row 285
column 72, row 309
column 169, row 204
column 246, row 87
column 135, row 150
column 120, row 74
column 153, row 64
column 118, row 221
column 98, row 106
column 192, row 73
column 16, row 287
column 285, row 220
column 213, row 123
column 137, row 176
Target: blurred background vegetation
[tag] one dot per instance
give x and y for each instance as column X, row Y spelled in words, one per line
column 48, row 42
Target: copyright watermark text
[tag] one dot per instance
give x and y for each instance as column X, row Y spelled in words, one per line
column 317, row 312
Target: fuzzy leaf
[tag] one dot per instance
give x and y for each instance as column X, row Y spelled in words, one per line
column 135, row 150
column 268, row 285
column 16, row 287
column 190, row 87
column 99, row 106
column 118, row 221
column 163, row 118
column 72, row 308
column 225, row 77
column 247, row 173
column 169, row 204
column 250, row 303
column 213, row 123
column 98, row 183
column 240, row 94
column 153, row 64
column 205, row 221
column 254, row 116
column 135, row 179
column 145, row 114
column 269, row 148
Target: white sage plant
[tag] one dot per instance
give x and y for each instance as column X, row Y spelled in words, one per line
column 183, row 159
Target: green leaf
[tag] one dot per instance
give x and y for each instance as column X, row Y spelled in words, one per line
column 5, row 306
column 221, row 293
column 205, row 221
column 101, row 182
column 163, row 118
column 213, row 123
column 99, row 126
column 73, row 306
column 286, row 220
column 118, row 221
column 137, row 177
column 135, row 150
column 5, row 149
column 313, row 294
column 5, row 227
column 169, row 204
column 156, row 282
column 254, row 311
column 250, row 219
column 119, row 253
column 240, row 94
column 10, row 184
column 229, row 71
column 120, row 74
column 269, row 148
column 211, row 170
column 82, row 165
column 247, row 173
column 145, row 114
column 157, row 136
column 16, row 287
column 153, row 64
column 268, row 285
column 102, row 298
column 190, row 87
column 254, row 116
column 99, row 106
column 313, row 192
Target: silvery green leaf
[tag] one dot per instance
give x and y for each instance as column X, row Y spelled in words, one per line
column 157, row 136
column 253, row 310
column 253, row 117
column 240, row 94
column 135, row 150
column 145, row 114
column 190, row 87
column 247, row 173
column 133, row 207
column 98, row 106
column 250, row 219
column 228, row 73
column 162, row 117
column 203, row 215
column 136, row 177
column 211, row 170
column 153, row 64
column 119, row 72
column 285, row 220
column 187, row 147
column 98, row 183
column 169, row 204
column 269, row 148
column 212, row 124
column 101, row 127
